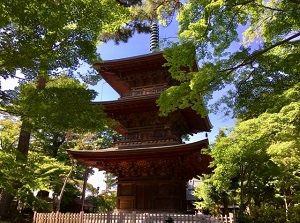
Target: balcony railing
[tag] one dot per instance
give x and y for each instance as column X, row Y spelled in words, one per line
column 146, row 90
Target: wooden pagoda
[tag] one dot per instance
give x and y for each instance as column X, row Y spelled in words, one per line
column 151, row 162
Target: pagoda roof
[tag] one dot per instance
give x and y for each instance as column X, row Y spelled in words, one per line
column 132, row 64
column 195, row 122
column 157, row 151
column 106, row 159
column 113, row 70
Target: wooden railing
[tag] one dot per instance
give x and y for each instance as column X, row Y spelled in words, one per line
column 127, row 218
column 145, row 90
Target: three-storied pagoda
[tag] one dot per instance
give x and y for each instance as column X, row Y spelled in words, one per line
column 151, row 162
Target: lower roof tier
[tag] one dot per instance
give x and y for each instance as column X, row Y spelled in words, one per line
column 184, row 160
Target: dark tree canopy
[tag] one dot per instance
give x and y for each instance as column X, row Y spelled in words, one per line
column 48, row 36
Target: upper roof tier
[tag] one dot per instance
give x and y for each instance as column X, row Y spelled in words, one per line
column 133, row 75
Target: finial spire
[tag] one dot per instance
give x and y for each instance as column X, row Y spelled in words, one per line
column 154, row 39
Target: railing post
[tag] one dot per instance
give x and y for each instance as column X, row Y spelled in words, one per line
column 231, row 217
column 108, row 217
column 81, row 216
column 34, row 216
column 133, row 219
column 148, row 218
column 56, row 217
column 121, row 217
column 225, row 218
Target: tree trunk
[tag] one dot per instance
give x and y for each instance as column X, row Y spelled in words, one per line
column 64, row 186
column 287, row 202
column 84, row 186
column 6, row 198
column 242, row 190
column 24, row 139
column 58, row 140
column 225, row 204
column 23, row 148
column 5, row 206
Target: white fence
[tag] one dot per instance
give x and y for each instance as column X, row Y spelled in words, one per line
column 132, row 217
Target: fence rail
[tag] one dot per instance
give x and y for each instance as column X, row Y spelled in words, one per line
column 132, row 217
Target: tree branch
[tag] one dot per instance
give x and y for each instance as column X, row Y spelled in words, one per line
column 273, row 9
column 257, row 54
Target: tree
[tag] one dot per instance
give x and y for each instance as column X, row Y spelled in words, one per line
column 37, row 173
column 103, row 202
column 243, row 155
column 263, row 155
column 106, row 200
column 47, row 165
column 63, row 104
column 69, row 189
column 48, row 37
column 265, row 65
column 210, row 198
column 144, row 13
column 252, row 49
column 90, row 141
column 43, row 36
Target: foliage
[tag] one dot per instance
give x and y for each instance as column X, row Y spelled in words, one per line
column 111, row 182
column 263, row 154
column 45, row 142
column 37, row 172
column 187, row 98
column 64, row 104
column 268, row 214
column 248, row 53
column 249, row 47
column 210, row 199
column 104, row 202
column 162, row 10
column 108, row 201
column 71, row 140
column 58, row 117
column 143, row 14
column 70, row 195
column 45, row 36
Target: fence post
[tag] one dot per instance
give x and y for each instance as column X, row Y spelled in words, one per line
column 53, row 217
column 56, row 217
column 133, row 219
column 81, row 216
column 121, row 217
column 226, row 218
column 164, row 216
column 34, row 216
column 108, row 217
column 231, row 217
